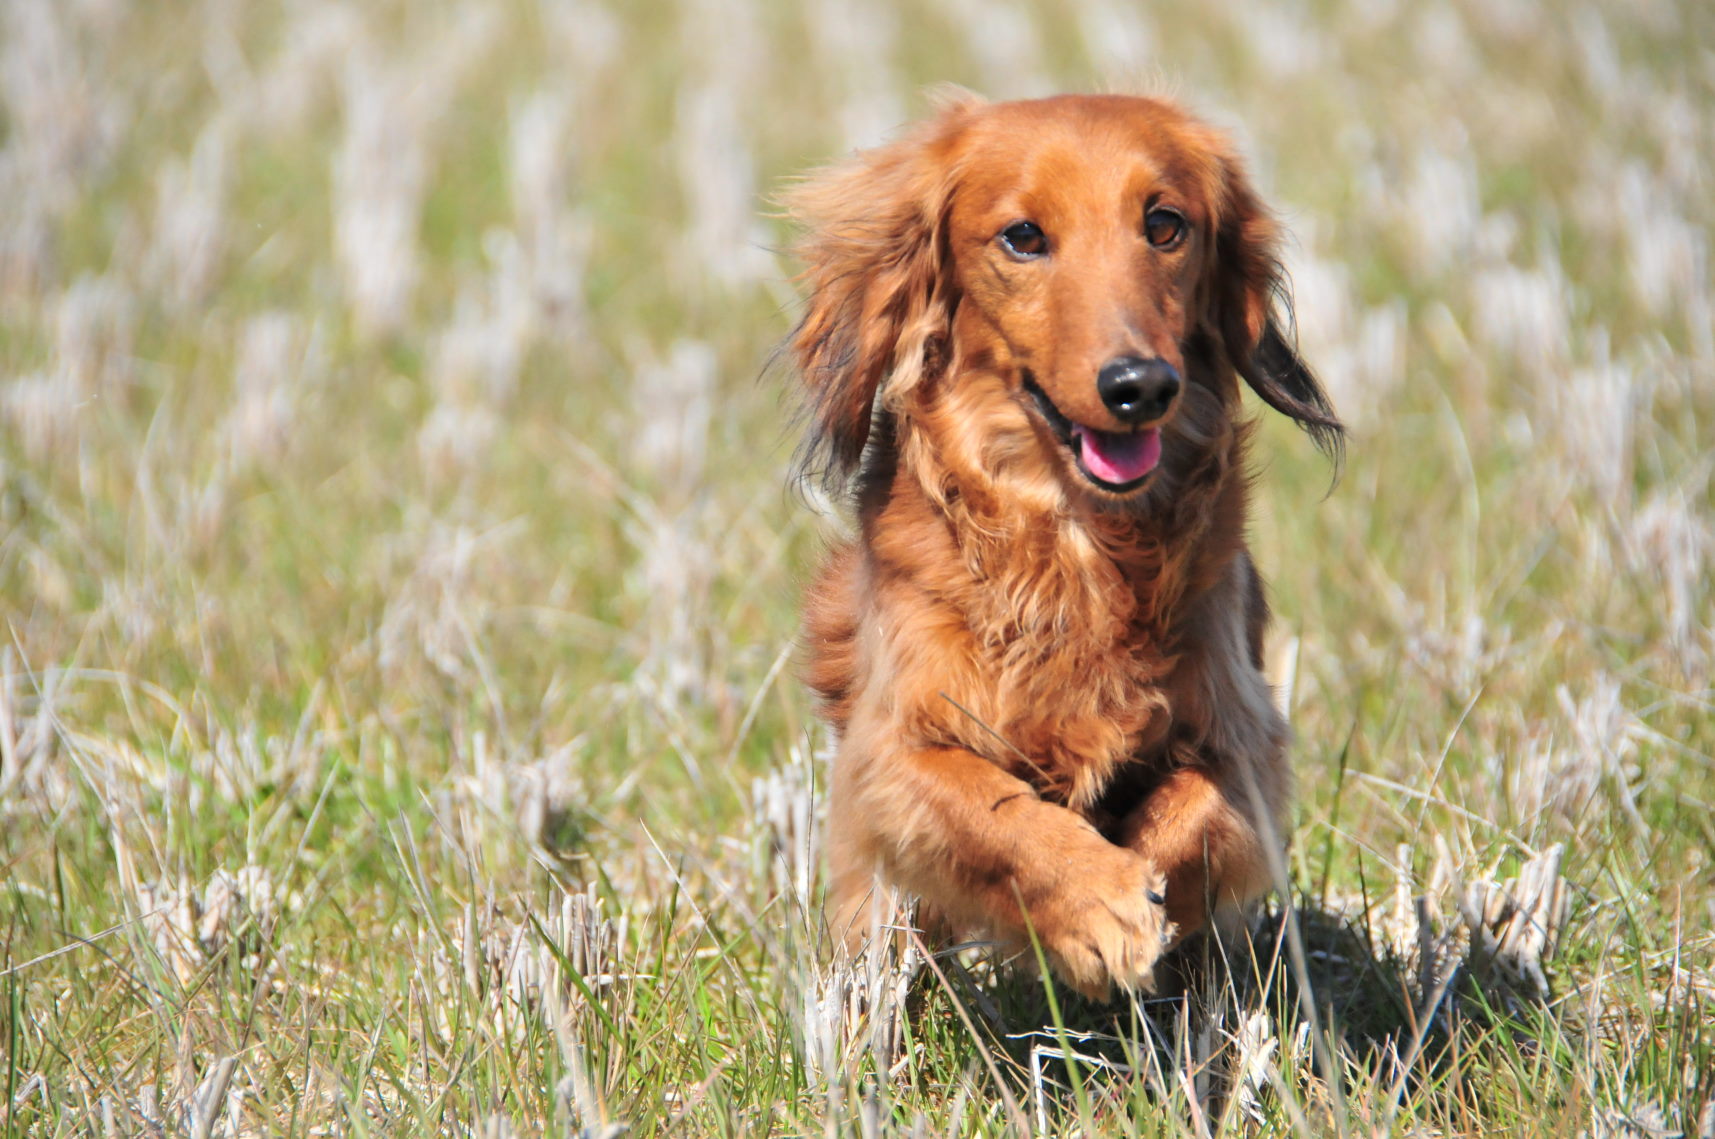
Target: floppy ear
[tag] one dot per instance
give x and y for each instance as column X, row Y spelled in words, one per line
column 1248, row 282
column 881, row 295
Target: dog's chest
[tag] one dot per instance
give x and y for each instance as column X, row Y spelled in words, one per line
column 1077, row 681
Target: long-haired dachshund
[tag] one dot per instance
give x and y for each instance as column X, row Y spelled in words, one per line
column 1025, row 332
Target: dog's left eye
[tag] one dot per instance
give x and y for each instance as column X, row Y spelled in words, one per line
column 1165, row 228
column 1024, row 239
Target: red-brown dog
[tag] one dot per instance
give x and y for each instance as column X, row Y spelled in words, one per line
column 1026, row 327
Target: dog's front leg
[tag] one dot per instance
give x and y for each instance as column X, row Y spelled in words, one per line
column 984, row 850
column 1201, row 827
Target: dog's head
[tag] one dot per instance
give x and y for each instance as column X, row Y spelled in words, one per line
column 1098, row 264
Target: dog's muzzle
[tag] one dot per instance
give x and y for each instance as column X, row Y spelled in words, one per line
column 1115, row 461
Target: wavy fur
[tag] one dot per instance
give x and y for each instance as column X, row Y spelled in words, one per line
column 1047, row 692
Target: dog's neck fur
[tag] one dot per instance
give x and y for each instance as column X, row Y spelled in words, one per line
column 1075, row 606
column 1039, row 548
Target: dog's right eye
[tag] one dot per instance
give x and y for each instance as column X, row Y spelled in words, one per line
column 1024, row 239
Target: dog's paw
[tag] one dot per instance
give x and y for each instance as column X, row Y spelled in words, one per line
column 1108, row 925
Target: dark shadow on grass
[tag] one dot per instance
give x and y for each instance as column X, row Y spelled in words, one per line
column 1364, row 1001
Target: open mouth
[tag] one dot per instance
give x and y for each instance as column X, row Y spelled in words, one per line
column 1115, row 461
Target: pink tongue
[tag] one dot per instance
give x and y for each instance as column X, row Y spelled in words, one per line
column 1119, row 458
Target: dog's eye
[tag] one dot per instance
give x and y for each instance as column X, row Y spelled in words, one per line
column 1165, row 228
column 1024, row 239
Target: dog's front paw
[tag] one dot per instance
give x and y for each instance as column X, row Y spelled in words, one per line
column 1106, row 924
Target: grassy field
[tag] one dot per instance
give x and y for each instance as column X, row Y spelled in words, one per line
column 398, row 730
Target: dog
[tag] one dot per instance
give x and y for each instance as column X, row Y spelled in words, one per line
column 1041, row 656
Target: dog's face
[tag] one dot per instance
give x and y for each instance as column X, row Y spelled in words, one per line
column 1080, row 233
column 1104, row 258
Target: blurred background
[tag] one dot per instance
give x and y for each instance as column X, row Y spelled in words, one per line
column 396, row 535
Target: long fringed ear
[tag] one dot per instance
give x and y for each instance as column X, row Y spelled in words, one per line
column 1248, row 282
column 881, row 297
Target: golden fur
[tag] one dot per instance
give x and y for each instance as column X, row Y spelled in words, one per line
column 1046, row 690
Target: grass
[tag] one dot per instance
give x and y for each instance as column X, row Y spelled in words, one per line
column 398, row 571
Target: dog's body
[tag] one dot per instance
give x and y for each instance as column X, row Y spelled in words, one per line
column 1042, row 656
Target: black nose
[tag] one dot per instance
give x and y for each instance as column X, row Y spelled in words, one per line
column 1137, row 390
